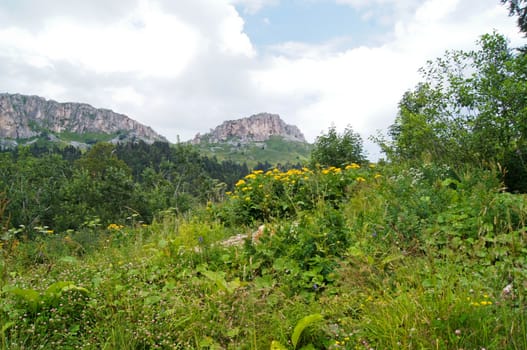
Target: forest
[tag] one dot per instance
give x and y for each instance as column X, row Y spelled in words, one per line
column 130, row 246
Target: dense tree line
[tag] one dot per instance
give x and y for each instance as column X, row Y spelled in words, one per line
column 64, row 188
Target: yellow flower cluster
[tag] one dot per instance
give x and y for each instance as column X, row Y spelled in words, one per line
column 259, row 180
column 485, row 302
column 114, row 227
column 332, row 170
column 342, row 342
column 352, row 166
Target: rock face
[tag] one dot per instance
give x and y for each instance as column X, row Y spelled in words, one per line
column 256, row 128
column 23, row 116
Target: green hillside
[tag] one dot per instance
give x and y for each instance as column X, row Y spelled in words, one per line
column 275, row 151
column 351, row 258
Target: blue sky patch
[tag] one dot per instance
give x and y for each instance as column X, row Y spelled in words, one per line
column 308, row 22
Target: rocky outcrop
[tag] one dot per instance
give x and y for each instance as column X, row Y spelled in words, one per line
column 23, row 116
column 256, row 128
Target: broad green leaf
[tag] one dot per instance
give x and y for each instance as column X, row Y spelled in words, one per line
column 303, row 324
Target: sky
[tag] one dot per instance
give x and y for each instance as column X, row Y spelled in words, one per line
column 185, row 66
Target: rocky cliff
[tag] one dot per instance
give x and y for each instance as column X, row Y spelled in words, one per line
column 23, row 116
column 256, row 128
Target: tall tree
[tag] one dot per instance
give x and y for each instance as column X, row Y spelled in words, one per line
column 470, row 108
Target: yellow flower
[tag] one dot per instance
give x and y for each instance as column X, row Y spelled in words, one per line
column 247, row 198
column 258, row 172
column 360, row 179
column 250, row 176
column 114, row 227
column 378, row 176
column 372, row 166
column 228, row 193
column 352, row 166
column 240, row 183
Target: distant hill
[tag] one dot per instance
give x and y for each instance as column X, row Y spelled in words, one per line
column 25, row 117
column 260, row 138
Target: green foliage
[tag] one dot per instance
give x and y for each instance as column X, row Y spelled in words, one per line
column 276, row 150
column 338, row 150
column 416, row 258
column 60, row 188
column 297, row 332
column 470, row 109
column 262, row 196
column 59, row 314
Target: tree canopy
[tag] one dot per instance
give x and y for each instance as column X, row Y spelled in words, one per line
column 470, row 108
column 334, row 149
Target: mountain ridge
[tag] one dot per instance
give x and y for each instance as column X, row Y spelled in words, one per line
column 26, row 116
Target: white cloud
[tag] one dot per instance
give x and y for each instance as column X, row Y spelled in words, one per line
column 253, row 6
column 146, row 42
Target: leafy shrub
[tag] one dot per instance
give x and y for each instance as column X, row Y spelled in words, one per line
column 275, row 194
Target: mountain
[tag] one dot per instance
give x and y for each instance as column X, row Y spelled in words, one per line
column 23, row 117
column 256, row 128
column 260, row 138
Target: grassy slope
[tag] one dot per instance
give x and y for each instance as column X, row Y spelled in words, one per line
column 275, row 151
column 417, row 272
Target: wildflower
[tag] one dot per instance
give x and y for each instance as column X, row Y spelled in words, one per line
column 228, row 193
column 258, row 172
column 352, row 166
column 247, row 199
column 372, row 166
column 377, row 176
column 457, row 332
column 250, row 176
column 360, row 179
column 240, row 182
